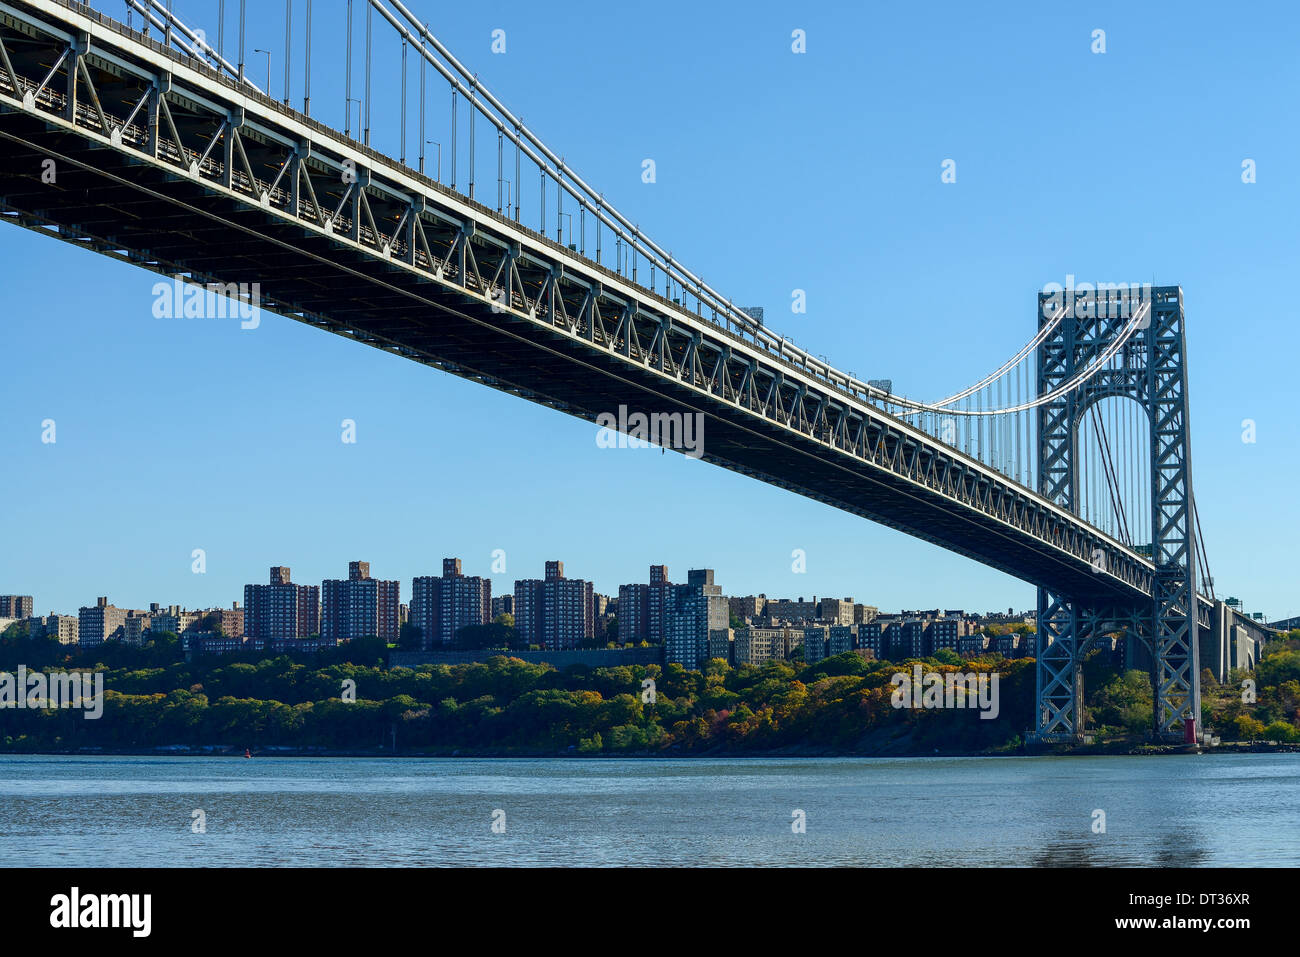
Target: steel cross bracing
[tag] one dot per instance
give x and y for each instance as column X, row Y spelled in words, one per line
column 165, row 162
column 1150, row 370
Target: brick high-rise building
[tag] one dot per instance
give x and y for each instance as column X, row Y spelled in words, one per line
column 440, row 607
column 557, row 612
column 359, row 607
column 642, row 608
column 280, row 610
column 16, row 606
column 695, row 609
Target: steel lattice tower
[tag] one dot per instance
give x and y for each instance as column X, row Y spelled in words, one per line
column 1151, row 369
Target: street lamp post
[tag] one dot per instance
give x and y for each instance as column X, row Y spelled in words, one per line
column 439, row 145
column 357, row 101
column 268, row 69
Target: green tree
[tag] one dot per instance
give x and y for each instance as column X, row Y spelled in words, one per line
column 495, row 635
column 1248, row 729
column 410, row 637
column 1282, row 731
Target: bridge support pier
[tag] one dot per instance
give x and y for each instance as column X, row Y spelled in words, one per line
column 1067, row 630
column 1058, row 650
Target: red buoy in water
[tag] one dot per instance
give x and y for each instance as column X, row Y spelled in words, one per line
column 247, row 753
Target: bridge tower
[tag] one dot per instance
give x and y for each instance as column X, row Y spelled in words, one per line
column 1149, row 368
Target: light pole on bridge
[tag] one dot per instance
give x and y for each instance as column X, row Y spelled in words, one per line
column 268, row 68
column 439, row 145
column 357, row 101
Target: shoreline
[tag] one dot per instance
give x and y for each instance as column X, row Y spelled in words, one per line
column 1116, row 749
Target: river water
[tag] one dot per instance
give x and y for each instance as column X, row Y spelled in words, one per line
column 1158, row 811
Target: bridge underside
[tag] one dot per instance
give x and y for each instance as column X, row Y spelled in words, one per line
column 116, row 205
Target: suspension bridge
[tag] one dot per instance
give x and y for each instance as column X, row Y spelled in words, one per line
column 1068, row 467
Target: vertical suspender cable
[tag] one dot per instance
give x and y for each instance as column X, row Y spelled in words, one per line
column 402, row 108
column 996, row 423
column 1130, row 449
column 1141, row 462
column 347, row 76
column 422, row 136
column 1016, row 454
column 366, row 95
column 473, row 108
column 288, row 46
column 306, row 97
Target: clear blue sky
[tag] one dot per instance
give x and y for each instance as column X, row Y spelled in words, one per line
column 776, row 171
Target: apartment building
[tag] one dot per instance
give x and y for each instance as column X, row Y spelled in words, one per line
column 814, row 643
column 946, row 633
column 754, row 645
column 16, row 606
column 441, row 606
column 280, row 610
column 359, row 606
column 748, row 608
column 642, row 607
column 101, row 622
column 695, row 609
column 65, row 629
column 555, row 612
